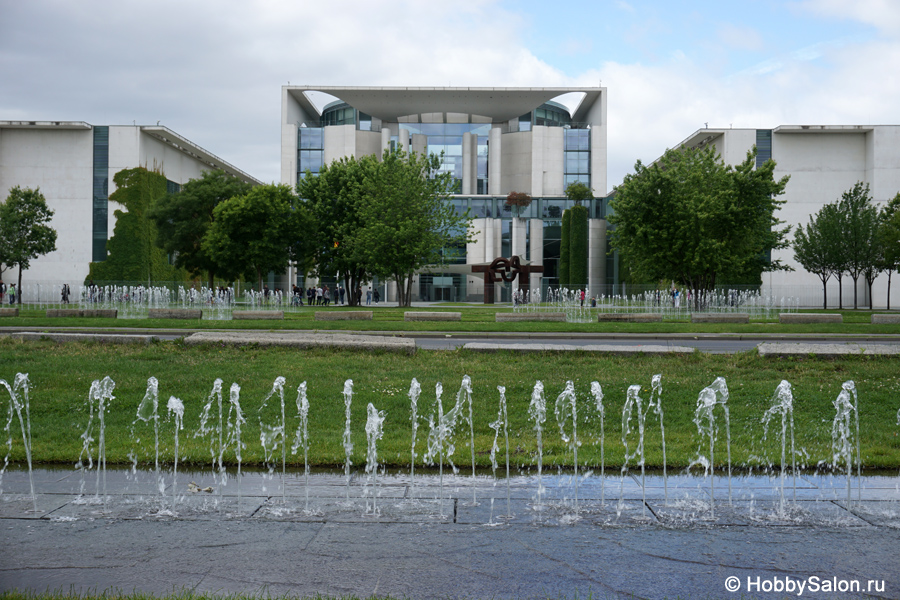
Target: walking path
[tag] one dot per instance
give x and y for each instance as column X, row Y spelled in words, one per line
column 260, row 535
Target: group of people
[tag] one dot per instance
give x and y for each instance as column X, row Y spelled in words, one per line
column 322, row 295
column 8, row 292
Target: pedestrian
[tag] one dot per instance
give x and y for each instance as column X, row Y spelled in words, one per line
column 310, row 296
column 368, row 296
column 326, row 294
column 582, row 298
column 376, row 295
column 64, row 293
column 12, row 293
column 358, row 295
column 341, row 293
column 319, row 295
column 2, row 290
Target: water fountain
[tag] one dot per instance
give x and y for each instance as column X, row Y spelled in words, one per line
column 18, row 402
column 633, row 404
column 466, row 388
column 147, row 412
column 597, row 392
column 846, row 408
column 348, row 442
column 567, row 411
column 537, row 410
column 441, row 426
column 710, row 397
column 176, row 409
column 99, row 397
column 501, row 423
column 656, row 405
column 783, row 405
column 272, row 428
column 374, row 431
column 415, row 390
column 301, row 439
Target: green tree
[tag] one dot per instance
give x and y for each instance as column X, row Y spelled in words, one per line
column 183, row 218
column 261, row 231
column 578, row 246
column 24, row 233
column 517, row 201
column 889, row 239
column 407, row 221
column 818, row 247
column 132, row 251
column 692, row 219
column 579, row 192
column 334, row 200
column 564, row 251
column 859, row 247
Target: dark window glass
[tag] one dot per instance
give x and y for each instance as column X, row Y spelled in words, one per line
column 100, row 193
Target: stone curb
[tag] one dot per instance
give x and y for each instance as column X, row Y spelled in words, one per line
column 108, row 338
column 432, row 316
column 785, row 349
column 607, row 348
column 105, row 313
column 560, row 317
column 9, row 312
column 720, row 318
column 305, row 340
column 886, row 319
column 795, row 318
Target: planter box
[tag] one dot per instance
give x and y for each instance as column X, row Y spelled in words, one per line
column 629, row 318
column 527, row 316
column 886, row 319
column 103, row 313
column 344, row 315
column 720, row 318
column 794, row 318
column 257, row 315
column 9, row 312
column 174, row 313
column 432, row 316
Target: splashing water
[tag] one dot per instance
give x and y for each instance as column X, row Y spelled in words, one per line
column 441, row 426
column 176, row 408
column 99, row 397
column 466, row 388
column 272, row 430
column 783, row 404
column 301, row 439
column 18, row 402
column 147, row 412
column 235, row 420
column 501, row 422
column 348, row 443
column 711, row 396
column 374, row 431
column 633, row 404
column 415, row 390
column 566, row 411
column 656, row 404
column 597, row 392
column 842, row 433
column 537, row 410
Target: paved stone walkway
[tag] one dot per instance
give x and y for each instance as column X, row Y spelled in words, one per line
column 663, row 539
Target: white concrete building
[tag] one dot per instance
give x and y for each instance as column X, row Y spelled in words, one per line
column 73, row 164
column 823, row 162
column 494, row 140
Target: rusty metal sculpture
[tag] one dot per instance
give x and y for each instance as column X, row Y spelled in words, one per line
column 506, row 270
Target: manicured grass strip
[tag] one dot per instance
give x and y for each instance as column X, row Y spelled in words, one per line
column 61, row 376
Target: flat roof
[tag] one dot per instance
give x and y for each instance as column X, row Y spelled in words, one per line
column 182, row 144
column 44, row 125
column 391, row 103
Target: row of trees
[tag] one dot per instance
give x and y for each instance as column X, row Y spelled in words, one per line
column 24, row 230
column 851, row 236
column 358, row 219
column 691, row 219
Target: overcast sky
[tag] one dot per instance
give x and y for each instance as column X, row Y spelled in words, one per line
column 213, row 70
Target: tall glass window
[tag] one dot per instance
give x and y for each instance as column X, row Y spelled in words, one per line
column 100, row 194
column 311, row 150
column 447, row 138
column 577, row 156
column 763, row 146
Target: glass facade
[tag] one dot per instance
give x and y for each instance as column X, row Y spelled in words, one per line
column 577, row 149
column 100, row 193
column 551, row 114
column 338, row 113
column 447, row 138
column 763, row 146
column 310, row 151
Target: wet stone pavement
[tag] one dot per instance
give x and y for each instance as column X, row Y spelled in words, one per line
column 679, row 537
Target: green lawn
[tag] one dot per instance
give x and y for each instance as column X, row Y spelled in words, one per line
column 61, row 376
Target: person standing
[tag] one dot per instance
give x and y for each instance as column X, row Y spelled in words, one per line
column 368, row 296
column 376, row 295
column 341, row 293
column 12, row 293
column 2, row 290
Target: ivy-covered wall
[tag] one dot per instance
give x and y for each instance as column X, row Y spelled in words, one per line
column 578, row 247
column 132, row 251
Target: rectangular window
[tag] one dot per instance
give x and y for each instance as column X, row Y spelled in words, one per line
column 763, row 146
column 100, row 194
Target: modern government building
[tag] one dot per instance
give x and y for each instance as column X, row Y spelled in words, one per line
column 494, row 141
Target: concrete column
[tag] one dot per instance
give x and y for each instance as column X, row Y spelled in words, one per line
column 420, row 144
column 385, row 141
column 538, row 133
column 467, row 178
column 489, row 252
column 517, row 233
column 537, row 251
column 596, row 254
column 494, row 162
column 404, row 139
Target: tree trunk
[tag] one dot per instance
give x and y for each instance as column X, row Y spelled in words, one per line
column 19, row 287
column 855, row 291
column 840, row 291
column 889, row 291
column 824, row 294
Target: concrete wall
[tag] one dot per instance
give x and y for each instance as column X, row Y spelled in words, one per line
column 547, row 163
column 60, row 163
column 516, row 158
